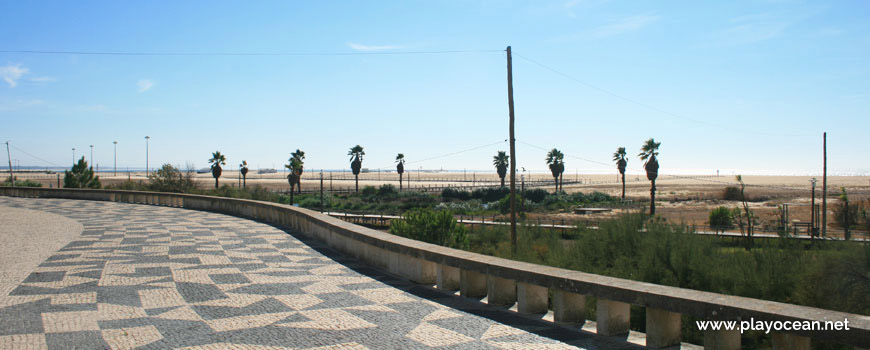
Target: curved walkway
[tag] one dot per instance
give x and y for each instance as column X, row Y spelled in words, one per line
column 156, row 277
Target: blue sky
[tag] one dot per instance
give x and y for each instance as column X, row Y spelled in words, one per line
column 744, row 86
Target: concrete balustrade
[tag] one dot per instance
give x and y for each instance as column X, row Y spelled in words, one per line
column 722, row 340
column 448, row 278
column 531, row 299
column 569, row 307
column 504, row 282
column 612, row 317
column 472, row 284
column 662, row 328
column 501, row 291
column 783, row 341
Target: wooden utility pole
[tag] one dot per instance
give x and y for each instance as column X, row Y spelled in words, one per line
column 510, row 81
column 824, row 184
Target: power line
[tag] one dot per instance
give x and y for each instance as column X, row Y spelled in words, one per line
column 452, row 153
column 645, row 105
column 196, row 54
column 35, row 157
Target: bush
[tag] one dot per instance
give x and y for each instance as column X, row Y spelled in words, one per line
column 20, row 183
column 720, row 218
column 731, row 193
column 536, row 195
column 437, row 227
column 169, row 179
column 490, row 194
column 80, row 176
column 452, row 193
column 387, row 190
column 369, row 191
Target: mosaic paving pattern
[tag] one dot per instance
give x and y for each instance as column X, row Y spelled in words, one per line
column 151, row 277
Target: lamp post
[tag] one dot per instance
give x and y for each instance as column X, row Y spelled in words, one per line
column 146, row 154
column 74, row 155
column 115, row 143
column 92, row 156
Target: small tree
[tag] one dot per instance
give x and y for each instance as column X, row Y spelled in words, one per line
column 748, row 216
column 293, row 164
column 500, row 161
column 80, row 176
column 720, row 219
column 243, row 168
column 845, row 214
column 356, row 154
column 217, row 160
column 621, row 162
column 557, row 165
column 648, row 152
column 300, row 162
column 400, row 168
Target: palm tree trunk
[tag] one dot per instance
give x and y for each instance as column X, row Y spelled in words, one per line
column 245, row 181
column 400, row 182
column 561, row 177
column 502, row 181
column 291, row 195
column 556, row 180
column 652, row 198
column 215, row 182
column 623, row 186
column 299, row 184
column 356, row 182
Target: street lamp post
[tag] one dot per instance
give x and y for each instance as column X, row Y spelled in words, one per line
column 146, row 154
column 115, row 143
column 74, row 155
column 92, row 156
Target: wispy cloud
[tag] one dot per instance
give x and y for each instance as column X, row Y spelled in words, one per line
column 42, row 79
column 362, row 47
column 11, row 73
column 145, row 85
column 14, row 105
column 624, row 25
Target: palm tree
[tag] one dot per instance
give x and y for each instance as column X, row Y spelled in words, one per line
column 621, row 162
column 356, row 154
column 557, row 165
column 243, row 168
column 648, row 152
column 500, row 161
column 217, row 159
column 400, row 168
column 300, row 156
column 294, row 164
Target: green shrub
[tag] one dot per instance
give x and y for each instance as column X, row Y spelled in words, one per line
column 720, row 218
column 387, row 190
column 536, row 195
column 452, row 193
column 732, row 193
column 490, row 194
column 437, row 227
column 20, row 183
column 169, row 179
column 80, row 176
column 369, row 191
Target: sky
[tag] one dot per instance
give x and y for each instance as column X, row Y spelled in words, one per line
column 738, row 86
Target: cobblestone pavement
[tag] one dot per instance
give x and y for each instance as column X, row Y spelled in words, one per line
column 155, row 277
